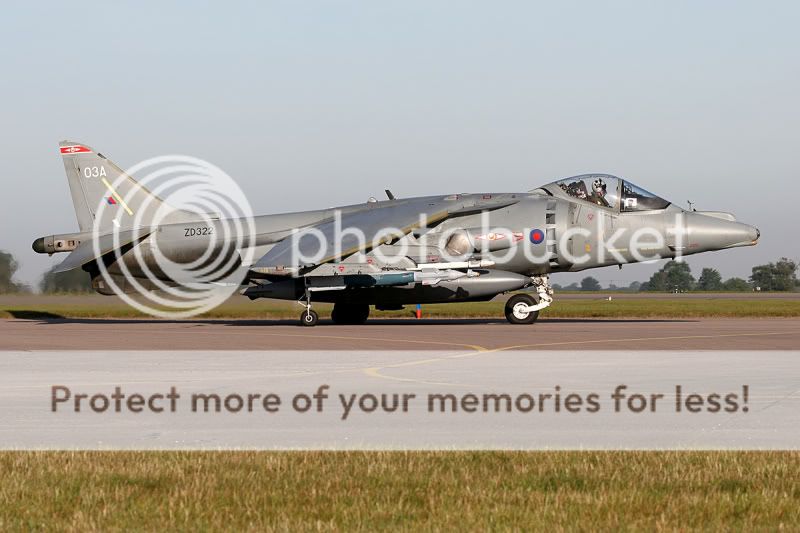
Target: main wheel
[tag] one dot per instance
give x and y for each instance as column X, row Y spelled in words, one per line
column 516, row 309
column 344, row 313
column 309, row 318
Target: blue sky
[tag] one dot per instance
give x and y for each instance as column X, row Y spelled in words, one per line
column 314, row 104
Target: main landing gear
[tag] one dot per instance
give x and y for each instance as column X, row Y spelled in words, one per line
column 348, row 313
column 524, row 308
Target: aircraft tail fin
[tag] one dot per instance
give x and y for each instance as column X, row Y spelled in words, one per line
column 95, row 181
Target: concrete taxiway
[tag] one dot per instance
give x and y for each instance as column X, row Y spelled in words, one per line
column 403, row 334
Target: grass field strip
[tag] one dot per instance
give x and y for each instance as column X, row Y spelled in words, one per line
column 661, row 306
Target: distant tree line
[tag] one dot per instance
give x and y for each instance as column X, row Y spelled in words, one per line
column 72, row 281
column 9, row 267
column 75, row 280
column 676, row 276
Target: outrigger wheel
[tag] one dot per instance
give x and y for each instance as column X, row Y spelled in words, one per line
column 309, row 317
column 517, row 309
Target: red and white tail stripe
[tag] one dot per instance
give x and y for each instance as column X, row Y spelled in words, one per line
column 75, row 149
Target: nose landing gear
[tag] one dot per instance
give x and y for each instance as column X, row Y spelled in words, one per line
column 517, row 309
column 524, row 308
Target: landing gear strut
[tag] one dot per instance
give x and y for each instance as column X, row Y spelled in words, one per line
column 524, row 308
column 347, row 313
column 308, row 317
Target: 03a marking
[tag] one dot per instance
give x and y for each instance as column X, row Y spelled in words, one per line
column 94, row 172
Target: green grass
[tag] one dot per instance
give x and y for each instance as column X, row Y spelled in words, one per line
column 239, row 307
column 289, row 491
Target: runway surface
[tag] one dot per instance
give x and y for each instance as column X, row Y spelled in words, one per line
column 405, row 334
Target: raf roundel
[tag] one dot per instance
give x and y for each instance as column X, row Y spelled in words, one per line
column 537, row 236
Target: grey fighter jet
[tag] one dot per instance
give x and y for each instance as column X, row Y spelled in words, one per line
column 390, row 253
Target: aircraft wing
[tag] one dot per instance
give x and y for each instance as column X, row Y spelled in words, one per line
column 383, row 223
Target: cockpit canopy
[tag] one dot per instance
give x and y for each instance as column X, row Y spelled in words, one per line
column 607, row 191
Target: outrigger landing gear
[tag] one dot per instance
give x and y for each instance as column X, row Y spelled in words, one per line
column 308, row 317
column 524, row 308
column 347, row 313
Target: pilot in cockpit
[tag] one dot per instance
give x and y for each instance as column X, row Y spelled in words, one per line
column 608, row 191
column 598, row 195
column 576, row 189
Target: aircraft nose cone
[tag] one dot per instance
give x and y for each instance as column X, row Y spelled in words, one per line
column 738, row 234
column 716, row 233
column 751, row 235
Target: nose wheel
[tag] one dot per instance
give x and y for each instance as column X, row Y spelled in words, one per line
column 518, row 309
column 524, row 308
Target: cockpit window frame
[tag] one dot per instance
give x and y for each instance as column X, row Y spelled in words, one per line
column 554, row 189
column 664, row 203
